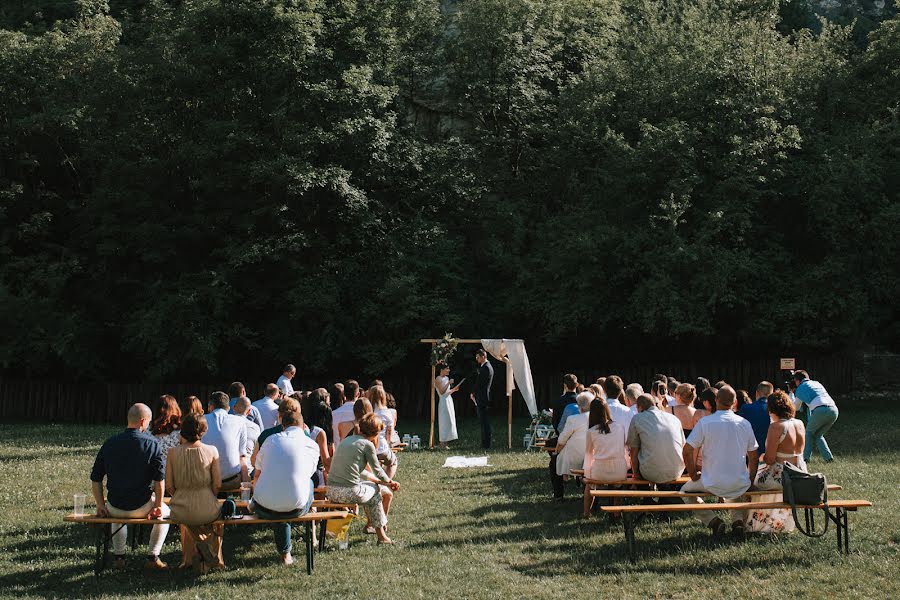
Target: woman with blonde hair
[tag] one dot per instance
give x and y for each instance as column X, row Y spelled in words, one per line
column 684, row 410
column 378, row 398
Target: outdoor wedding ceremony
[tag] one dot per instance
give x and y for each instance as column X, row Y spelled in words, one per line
column 249, row 249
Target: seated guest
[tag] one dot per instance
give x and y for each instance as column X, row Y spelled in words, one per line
column 166, row 427
column 729, row 460
column 570, row 448
column 620, row 413
column 193, row 479
column 242, row 409
column 742, row 399
column 702, row 384
column 287, row 405
column 284, row 382
column 784, row 442
column 378, row 398
column 684, row 410
column 237, row 390
column 284, row 489
column 192, row 405
column 659, row 391
column 132, row 463
column 228, row 433
column 345, row 411
column 707, row 401
column 392, row 407
column 361, row 408
column 757, row 412
column 566, row 405
column 337, row 397
column 350, row 482
column 655, row 440
column 267, row 406
column 317, row 418
column 631, row 395
column 604, row 449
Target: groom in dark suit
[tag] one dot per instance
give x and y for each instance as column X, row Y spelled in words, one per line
column 482, row 395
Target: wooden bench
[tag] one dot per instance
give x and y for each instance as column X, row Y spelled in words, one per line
column 677, row 494
column 104, row 530
column 633, row 513
column 317, row 504
column 631, row 481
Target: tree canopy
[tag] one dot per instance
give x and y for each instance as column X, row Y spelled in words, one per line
column 188, row 188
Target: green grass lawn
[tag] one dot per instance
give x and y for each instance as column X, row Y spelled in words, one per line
column 469, row 533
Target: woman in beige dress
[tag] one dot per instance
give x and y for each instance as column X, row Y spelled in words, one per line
column 193, row 478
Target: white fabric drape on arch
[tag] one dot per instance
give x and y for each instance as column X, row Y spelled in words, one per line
column 518, row 369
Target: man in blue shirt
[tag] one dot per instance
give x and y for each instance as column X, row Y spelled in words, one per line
column 823, row 413
column 758, row 414
column 131, row 462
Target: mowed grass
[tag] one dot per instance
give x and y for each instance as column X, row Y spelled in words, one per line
column 468, row 533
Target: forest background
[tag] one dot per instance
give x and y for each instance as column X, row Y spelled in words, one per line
column 205, row 189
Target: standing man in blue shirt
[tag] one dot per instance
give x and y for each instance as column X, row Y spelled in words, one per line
column 131, row 462
column 758, row 414
column 823, row 413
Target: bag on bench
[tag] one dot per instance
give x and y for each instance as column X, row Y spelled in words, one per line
column 804, row 488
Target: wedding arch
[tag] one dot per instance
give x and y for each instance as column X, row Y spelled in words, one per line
column 518, row 372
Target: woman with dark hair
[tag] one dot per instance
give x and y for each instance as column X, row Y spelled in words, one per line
column 193, row 477
column 392, row 408
column 317, row 416
column 360, row 409
column 446, row 410
column 336, row 395
column 191, row 405
column 742, row 398
column 604, row 457
column 707, row 400
column 166, row 427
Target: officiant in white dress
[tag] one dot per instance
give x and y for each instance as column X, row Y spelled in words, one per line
column 446, row 411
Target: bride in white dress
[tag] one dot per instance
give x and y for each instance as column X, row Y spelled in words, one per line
column 446, row 412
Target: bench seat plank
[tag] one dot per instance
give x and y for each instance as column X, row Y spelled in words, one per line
column 680, row 481
column 676, row 494
column 245, row 520
column 660, row 508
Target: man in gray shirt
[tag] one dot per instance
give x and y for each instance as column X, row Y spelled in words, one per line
column 656, row 442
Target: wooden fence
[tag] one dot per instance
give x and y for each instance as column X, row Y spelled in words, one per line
column 40, row 400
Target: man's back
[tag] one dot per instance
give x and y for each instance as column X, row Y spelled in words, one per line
column 560, row 406
column 268, row 411
column 229, row 435
column 620, row 413
column 341, row 414
column 130, row 461
column 724, row 439
column 287, row 462
column 758, row 415
column 659, row 439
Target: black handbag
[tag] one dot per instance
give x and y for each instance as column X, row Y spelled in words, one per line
column 805, row 489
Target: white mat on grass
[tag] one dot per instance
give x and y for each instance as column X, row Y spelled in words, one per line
column 461, row 462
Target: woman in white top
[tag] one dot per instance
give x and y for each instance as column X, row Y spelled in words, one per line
column 784, row 442
column 378, row 398
column 571, row 444
column 604, row 449
column 446, row 411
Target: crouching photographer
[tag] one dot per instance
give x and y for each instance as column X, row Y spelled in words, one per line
column 823, row 413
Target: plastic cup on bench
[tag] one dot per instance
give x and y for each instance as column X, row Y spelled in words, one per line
column 246, row 488
column 79, row 505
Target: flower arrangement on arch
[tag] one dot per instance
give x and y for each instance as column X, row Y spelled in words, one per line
column 443, row 350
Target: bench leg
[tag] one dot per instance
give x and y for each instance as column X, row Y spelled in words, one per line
column 837, row 522
column 101, row 550
column 322, row 530
column 628, row 523
column 308, row 543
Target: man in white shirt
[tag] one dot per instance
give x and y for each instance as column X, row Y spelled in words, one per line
column 631, row 395
column 730, row 459
column 228, row 434
column 344, row 412
column 618, row 411
column 284, row 382
column 242, row 409
column 267, row 407
column 284, row 489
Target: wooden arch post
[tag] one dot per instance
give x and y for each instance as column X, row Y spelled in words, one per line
column 509, row 396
